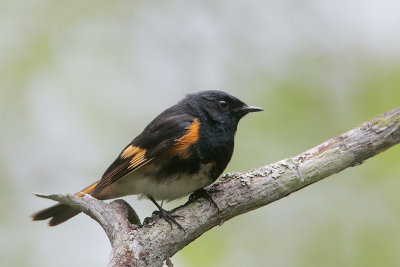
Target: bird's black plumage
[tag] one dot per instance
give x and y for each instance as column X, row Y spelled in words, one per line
column 182, row 150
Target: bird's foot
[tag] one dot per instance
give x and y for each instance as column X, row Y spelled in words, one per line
column 166, row 215
column 170, row 218
column 205, row 194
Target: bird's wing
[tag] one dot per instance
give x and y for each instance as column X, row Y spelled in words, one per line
column 171, row 136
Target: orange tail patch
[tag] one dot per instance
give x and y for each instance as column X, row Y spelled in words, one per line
column 87, row 190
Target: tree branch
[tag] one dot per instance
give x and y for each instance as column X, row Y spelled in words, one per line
column 235, row 193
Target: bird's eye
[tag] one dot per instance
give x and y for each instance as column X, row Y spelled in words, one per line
column 223, row 105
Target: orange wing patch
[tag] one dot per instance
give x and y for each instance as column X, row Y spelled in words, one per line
column 129, row 151
column 130, row 159
column 136, row 154
column 138, row 158
column 182, row 145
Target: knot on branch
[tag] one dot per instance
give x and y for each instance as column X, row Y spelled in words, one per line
column 152, row 244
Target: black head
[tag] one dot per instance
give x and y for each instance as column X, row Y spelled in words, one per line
column 219, row 106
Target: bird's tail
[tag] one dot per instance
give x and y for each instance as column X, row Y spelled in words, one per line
column 60, row 213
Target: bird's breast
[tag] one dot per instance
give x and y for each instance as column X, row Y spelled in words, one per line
column 163, row 186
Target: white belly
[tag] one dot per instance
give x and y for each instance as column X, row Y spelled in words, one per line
column 161, row 188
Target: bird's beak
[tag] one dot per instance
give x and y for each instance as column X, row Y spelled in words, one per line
column 250, row 109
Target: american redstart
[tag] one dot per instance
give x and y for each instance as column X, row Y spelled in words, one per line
column 182, row 150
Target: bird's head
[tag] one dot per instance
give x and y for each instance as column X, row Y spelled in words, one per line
column 219, row 106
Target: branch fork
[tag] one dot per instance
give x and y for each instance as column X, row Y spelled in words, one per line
column 154, row 243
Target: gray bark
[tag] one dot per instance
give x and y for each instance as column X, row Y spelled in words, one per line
column 235, row 193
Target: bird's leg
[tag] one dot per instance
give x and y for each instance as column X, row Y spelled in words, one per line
column 166, row 215
column 203, row 193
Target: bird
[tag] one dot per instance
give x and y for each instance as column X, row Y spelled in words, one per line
column 184, row 149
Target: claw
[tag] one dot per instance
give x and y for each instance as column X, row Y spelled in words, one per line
column 169, row 218
column 203, row 193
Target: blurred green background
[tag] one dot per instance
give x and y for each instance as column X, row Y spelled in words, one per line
column 80, row 79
